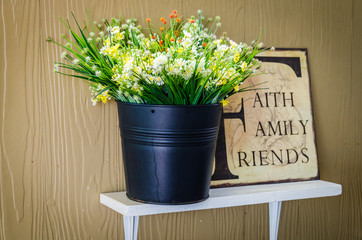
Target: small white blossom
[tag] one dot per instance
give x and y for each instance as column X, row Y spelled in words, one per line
column 64, row 54
column 114, row 30
column 98, row 73
column 94, row 101
column 56, row 67
column 75, row 61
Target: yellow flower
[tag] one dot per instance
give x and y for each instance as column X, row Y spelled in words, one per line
column 224, row 81
column 243, row 66
column 236, row 57
column 236, row 88
column 107, row 42
column 118, row 36
column 102, row 98
column 224, row 102
column 180, row 49
column 112, row 51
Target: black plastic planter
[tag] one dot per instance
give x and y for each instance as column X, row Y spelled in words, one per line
column 168, row 151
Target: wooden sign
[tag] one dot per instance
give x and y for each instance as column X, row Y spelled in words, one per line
column 267, row 135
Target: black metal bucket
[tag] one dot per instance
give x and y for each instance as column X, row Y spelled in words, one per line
column 168, row 151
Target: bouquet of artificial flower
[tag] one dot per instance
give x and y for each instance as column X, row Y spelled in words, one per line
column 181, row 62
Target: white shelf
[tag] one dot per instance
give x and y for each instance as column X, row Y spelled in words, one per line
column 227, row 197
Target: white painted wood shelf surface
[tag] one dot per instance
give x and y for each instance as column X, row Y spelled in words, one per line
column 273, row 194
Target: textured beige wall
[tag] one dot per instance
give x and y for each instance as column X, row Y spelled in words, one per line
column 58, row 152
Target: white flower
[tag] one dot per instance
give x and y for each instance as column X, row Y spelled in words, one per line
column 98, row 73
column 159, row 62
column 56, row 67
column 223, row 48
column 91, row 34
column 94, row 101
column 194, row 49
column 185, row 43
column 101, row 33
column 177, row 67
column 201, row 65
column 159, row 81
column 64, row 54
column 127, row 68
column 233, row 44
column 187, row 34
column 75, row 61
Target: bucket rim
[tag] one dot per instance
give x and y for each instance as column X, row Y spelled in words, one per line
column 169, row 105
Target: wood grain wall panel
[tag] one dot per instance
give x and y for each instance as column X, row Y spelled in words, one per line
column 19, row 137
column 58, row 152
column 350, row 117
column 82, row 144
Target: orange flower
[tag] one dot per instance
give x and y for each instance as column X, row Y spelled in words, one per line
column 171, row 15
column 161, row 41
column 172, row 39
column 161, row 28
column 191, row 20
column 204, row 44
column 177, row 20
column 162, row 19
column 153, row 37
column 174, row 11
column 175, row 15
column 148, row 20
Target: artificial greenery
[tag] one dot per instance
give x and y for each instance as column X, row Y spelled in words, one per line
column 181, row 62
